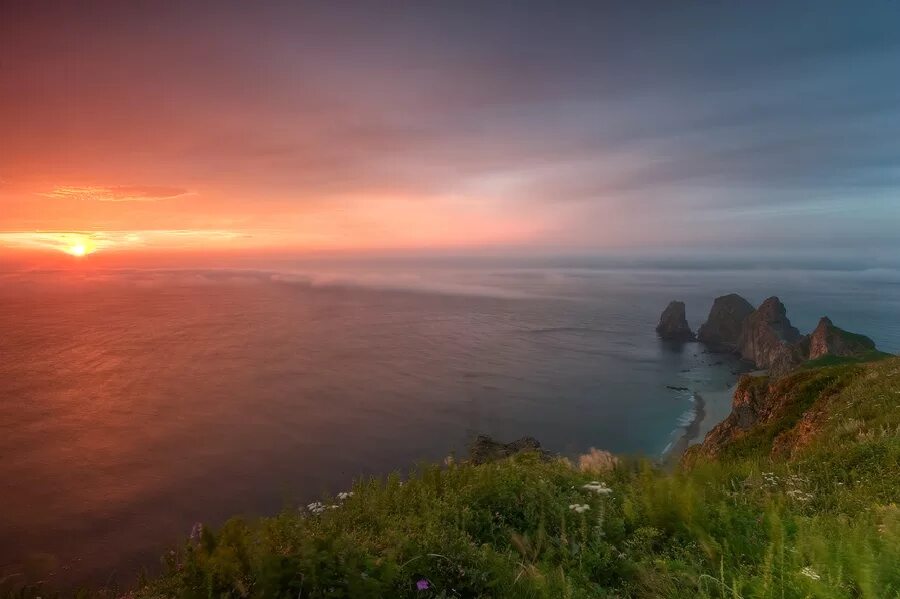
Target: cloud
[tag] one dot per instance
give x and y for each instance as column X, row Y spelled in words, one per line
column 588, row 126
column 119, row 193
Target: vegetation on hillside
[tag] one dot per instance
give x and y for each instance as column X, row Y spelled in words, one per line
column 823, row 523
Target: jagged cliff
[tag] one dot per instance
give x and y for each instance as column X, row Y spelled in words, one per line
column 673, row 324
column 769, row 340
column 722, row 328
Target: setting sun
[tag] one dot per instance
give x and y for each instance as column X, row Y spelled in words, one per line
column 77, row 250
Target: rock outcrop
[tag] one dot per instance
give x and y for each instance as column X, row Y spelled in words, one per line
column 829, row 340
column 765, row 336
column 673, row 325
column 784, row 413
column 749, row 406
column 484, row 449
column 769, row 340
column 722, row 328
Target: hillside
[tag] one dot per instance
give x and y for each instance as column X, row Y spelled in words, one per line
column 794, row 496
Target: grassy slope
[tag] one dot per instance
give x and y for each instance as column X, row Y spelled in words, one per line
column 824, row 524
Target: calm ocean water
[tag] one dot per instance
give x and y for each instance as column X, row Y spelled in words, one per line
column 137, row 403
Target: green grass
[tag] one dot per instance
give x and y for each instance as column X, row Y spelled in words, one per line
column 829, row 360
column 823, row 524
column 855, row 338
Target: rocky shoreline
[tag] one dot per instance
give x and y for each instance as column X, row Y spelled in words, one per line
column 764, row 337
column 689, row 433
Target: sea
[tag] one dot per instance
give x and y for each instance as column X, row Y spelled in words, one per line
column 136, row 403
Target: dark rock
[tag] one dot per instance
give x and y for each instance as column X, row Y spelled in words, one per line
column 484, row 449
column 769, row 340
column 829, row 340
column 673, row 325
column 722, row 328
column 674, row 388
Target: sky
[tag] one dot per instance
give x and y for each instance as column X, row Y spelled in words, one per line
column 148, row 128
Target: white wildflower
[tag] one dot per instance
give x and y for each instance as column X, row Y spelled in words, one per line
column 810, row 573
column 345, row 495
column 597, row 487
column 316, row 507
column 579, row 508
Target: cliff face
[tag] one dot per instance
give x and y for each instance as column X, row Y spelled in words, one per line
column 777, row 416
column 769, row 340
column 722, row 328
column 829, row 340
column 750, row 404
column 673, row 324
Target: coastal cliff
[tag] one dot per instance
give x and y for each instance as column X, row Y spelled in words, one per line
column 780, row 416
column 769, row 340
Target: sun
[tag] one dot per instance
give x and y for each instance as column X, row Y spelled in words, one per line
column 79, row 247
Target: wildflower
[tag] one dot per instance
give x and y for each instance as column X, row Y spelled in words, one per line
column 597, row 487
column 316, row 507
column 423, row 585
column 810, row 573
column 345, row 495
column 196, row 531
column 579, row 508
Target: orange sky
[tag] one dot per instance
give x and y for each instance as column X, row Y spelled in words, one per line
column 141, row 134
column 150, row 129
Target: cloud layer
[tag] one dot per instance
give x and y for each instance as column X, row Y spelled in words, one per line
column 591, row 126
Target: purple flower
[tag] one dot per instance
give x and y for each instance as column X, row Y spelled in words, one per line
column 423, row 585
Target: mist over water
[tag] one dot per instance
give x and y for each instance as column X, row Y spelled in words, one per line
column 136, row 403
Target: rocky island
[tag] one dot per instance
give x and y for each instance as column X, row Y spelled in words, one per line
column 722, row 328
column 764, row 336
column 673, row 325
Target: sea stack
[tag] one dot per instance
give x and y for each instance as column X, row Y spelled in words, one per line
column 829, row 340
column 673, row 325
column 722, row 328
column 769, row 340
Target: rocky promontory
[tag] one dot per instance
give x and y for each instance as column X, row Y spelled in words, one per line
column 673, row 324
column 722, row 328
column 769, row 340
column 829, row 340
